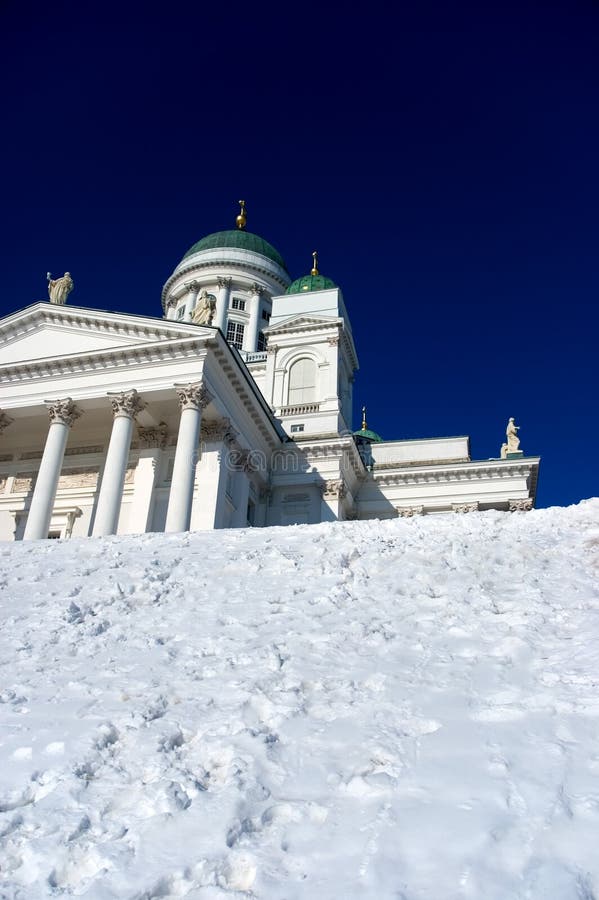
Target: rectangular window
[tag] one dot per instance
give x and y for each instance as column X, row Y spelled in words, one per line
column 296, row 428
column 181, row 312
column 237, row 303
column 266, row 315
column 235, row 334
column 261, row 342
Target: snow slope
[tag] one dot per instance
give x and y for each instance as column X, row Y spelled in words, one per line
column 400, row 709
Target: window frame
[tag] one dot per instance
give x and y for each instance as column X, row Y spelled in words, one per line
column 302, row 393
column 234, row 339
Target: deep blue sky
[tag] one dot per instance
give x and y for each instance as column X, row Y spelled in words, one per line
column 443, row 158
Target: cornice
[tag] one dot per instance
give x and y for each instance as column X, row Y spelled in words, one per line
column 335, row 446
column 459, row 472
column 300, row 325
column 128, row 356
column 120, row 325
column 96, row 360
column 226, row 266
column 248, row 393
column 410, row 464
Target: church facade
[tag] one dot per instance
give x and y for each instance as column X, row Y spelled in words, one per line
column 232, row 410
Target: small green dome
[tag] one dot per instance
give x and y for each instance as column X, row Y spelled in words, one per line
column 241, row 240
column 369, row 435
column 310, row 283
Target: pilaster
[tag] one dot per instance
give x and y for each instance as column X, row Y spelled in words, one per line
column 152, row 443
column 209, row 508
column 242, row 487
column 333, row 493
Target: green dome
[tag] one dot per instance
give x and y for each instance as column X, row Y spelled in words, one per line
column 310, row 283
column 369, row 435
column 241, row 240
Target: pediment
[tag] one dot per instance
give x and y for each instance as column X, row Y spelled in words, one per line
column 303, row 321
column 44, row 331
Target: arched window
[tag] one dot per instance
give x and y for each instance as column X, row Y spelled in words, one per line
column 302, row 382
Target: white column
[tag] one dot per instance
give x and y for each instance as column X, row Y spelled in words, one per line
column 125, row 406
column 152, row 443
column 62, row 415
column 170, row 308
column 193, row 399
column 250, row 338
column 191, row 299
column 222, row 303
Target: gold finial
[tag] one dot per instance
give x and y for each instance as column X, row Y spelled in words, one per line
column 314, row 263
column 364, row 425
column 241, row 220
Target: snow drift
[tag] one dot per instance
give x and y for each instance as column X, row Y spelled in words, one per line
column 400, row 709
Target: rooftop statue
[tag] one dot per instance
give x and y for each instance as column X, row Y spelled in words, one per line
column 59, row 288
column 511, row 432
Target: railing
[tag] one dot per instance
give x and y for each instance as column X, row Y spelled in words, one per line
column 302, row 410
column 258, row 356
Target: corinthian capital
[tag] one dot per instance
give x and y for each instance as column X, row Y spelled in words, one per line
column 257, row 289
column 193, row 396
column 465, row 507
column 63, row 412
column 5, row 421
column 153, row 437
column 335, row 488
column 217, row 430
column 126, row 403
column 406, row 512
column 520, row 505
column 224, row 282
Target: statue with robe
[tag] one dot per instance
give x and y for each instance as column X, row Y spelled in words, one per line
column 204, row 310
column 59, row 288
column 511, row 433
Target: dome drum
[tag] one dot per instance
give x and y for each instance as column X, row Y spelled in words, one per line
column 239, row 257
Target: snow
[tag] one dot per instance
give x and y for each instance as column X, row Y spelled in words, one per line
column 400, row 709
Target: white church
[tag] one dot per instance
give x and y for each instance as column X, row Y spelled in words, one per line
column 233, row 409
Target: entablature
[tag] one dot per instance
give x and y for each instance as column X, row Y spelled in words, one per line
column 459, row 472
